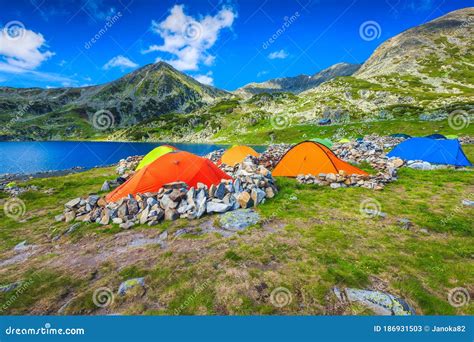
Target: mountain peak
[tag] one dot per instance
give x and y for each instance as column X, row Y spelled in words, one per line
column 297, row 84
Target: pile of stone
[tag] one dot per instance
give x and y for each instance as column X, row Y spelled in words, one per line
column 251, row 186
column 466, row 140
column 273, row 154
column 128, row 165
column 215, row 156
column 13, row 190
column 369, row 150
column 342, row 180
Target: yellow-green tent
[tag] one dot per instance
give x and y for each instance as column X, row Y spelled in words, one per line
column 154, row 155
column 344, row 140
column 326, row 142
column 451, row 136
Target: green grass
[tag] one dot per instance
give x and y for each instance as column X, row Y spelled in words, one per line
column 312, row 238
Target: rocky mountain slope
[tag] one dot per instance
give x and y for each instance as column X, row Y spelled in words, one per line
column 426, row 71
column 297, row 84
column 428, row 67
column 144, row 94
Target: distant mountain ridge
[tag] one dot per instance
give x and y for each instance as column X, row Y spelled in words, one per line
column 143, row 94
column 297, row 84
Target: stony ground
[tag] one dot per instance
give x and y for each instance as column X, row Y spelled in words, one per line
column 310, row 239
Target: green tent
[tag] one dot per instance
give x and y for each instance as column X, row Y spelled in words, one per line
column 344, row 140
column 326, row 142
column 154, row 155
column 451, row 136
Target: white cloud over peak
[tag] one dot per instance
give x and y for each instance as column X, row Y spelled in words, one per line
column 120, row 62
column 205, row 79
column 188, row 39
column 282, row 54
column 22, row 53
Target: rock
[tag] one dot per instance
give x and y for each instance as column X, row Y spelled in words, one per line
column 129, row 284
column 175, row 185
column 9, row 287
column 72, row 228
column 215, row 207
column 190, row 196
column 117, row 220
column 69, row 216
column 144, row 215
column 133, row 207
column 269, row 193
column 102, row 202
column 167, row 203
column 335, row 185
column 59, row 218
column 74, row 203
column 92, row 200
column 257, row 196
column 397, row 162
column 380, row 303
column 405, row 223
column 467, row 203
column 122, row 211
column 212, row 190
column 238, row 219
column 105, row 219
column 200, row 203
column 244, row 200
column 220, row 191
column 331, row 177
column 127, row 225
column 171, row 214
column 421, row 166
column 21, row 246
column 177, row 195
column 151, row 201
column 105, row 186
column 373, row 213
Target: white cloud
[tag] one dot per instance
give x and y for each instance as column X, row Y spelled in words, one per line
column 282, row 54
column 262, row 73
column 120, row 62
column 188, row 39
column 96, row 9
column 23, row 53
column 205, row 79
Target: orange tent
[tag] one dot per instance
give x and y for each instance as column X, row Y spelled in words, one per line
column 171, row 167
column 236, row 154
column 309, row 157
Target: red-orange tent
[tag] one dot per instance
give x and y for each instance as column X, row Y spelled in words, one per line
column 171, row 167
column 309, row 157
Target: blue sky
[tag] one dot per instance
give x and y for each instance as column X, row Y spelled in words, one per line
column 225, row 43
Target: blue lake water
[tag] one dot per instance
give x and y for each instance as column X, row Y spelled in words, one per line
column 31, row 157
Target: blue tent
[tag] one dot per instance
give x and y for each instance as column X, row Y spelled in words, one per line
column 400, row 135
column 431, row 150
column 436, row 136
